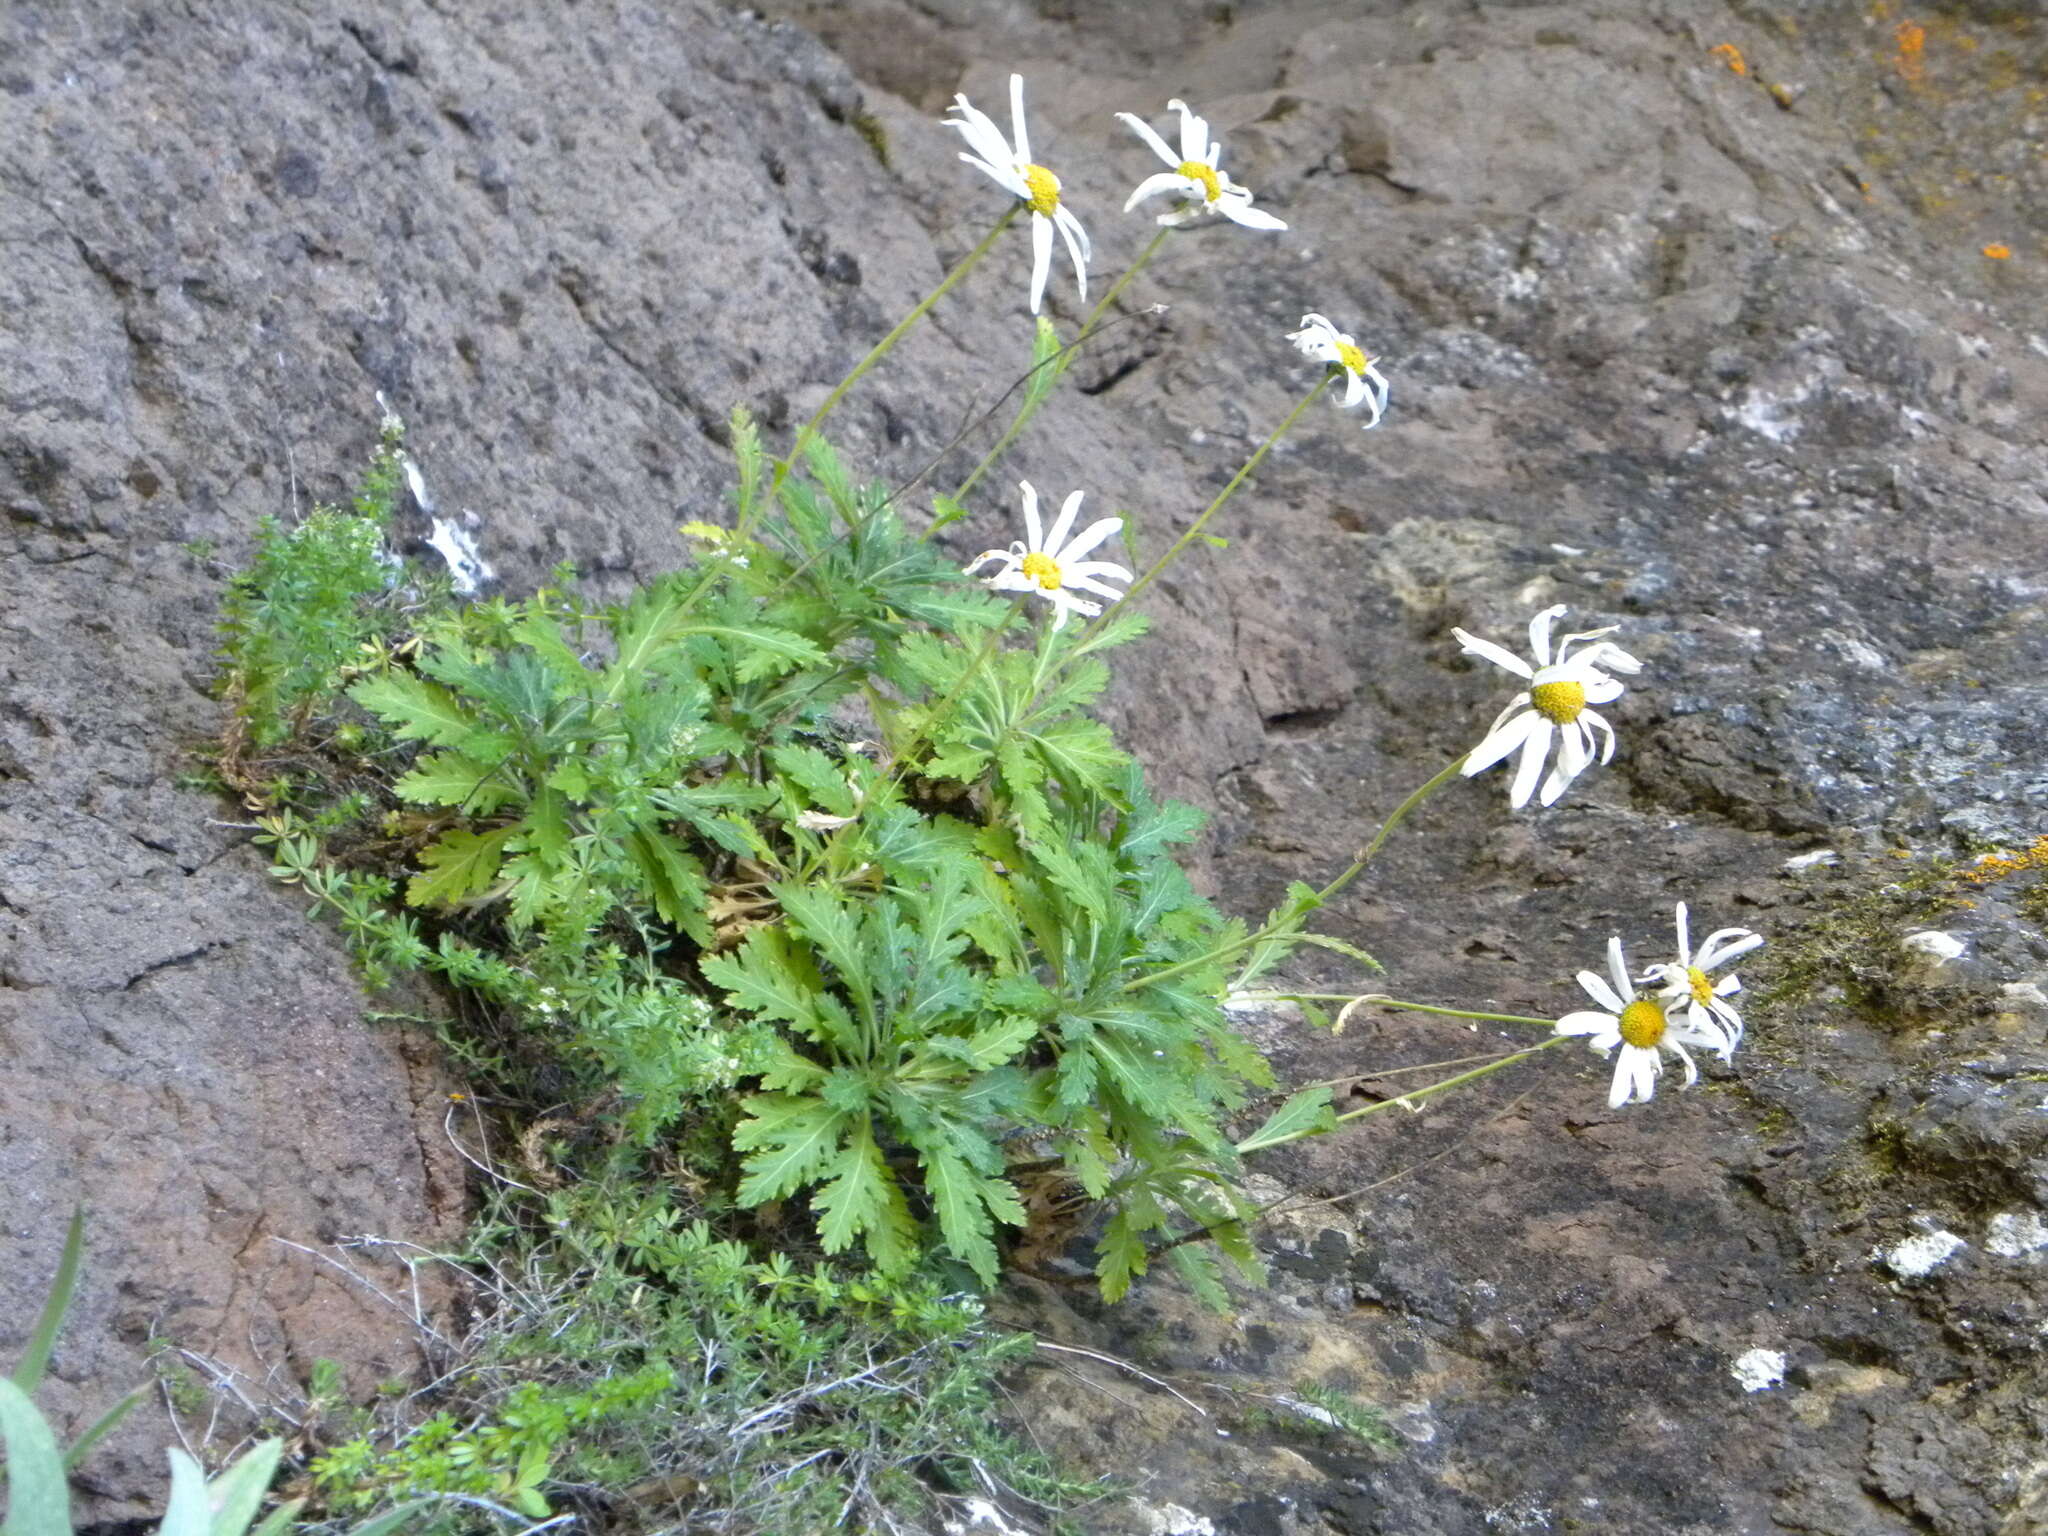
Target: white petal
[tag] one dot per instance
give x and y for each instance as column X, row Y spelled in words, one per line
column 1194, row 133
column 1041, row 257
column 981, row 133
column 1144, row 131
column 1062, row 524
column 1604, row 1028
column 1152, row 186
column 1090, row 584
column 1379, row 396
column 1602, row 689
column 1692, row 1073
column 1007, row 179
column 1572, row 758
column 1500, row 742
column 1244, row 213
column 1500, row 656
column 1539, row 633
column 1601, row 993
column 1683, row 922
column 1179, row 216
column 1034, row 531
column 1077, row 246
column 983, row 559
column 1020, row 137
column 1530, row 769
column 1728, row 986
column 1594, row 722
column 1354, row 390
column 1618, row 969
column 1725, row 944
column 1089, row 537
column 1096, row 568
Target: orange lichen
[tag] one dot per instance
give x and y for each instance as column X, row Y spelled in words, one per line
column 1730, row 55
column 1998, row 252
column 1912, row 56
column 1996, row 866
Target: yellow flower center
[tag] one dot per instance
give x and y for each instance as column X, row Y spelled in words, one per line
column 1043, row 569
column 1045, row 189
column 1642, row 1023
column 1559, row 701
column 1194, row 170
column 1702, row 988
column 1353, row 358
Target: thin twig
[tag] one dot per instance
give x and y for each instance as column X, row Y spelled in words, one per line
column 1125, row 1365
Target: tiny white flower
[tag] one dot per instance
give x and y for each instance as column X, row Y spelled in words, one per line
column 1686, row 987
column 1038, row 188
column 823, row 821
column 1050, row 564
column 1640, row 1026
column 1322, row 341
column 1194, row 175
column 1552, row 707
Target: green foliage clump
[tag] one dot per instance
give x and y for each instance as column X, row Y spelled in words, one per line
column 792, row 846
column 639, row 1365
column 312, row 598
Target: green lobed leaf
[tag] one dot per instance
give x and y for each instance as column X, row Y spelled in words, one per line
column 859, row 1198
column 457, row 867
column 453, row 778
column 790, row 1141
column 417, row 709
column 1308, row 1113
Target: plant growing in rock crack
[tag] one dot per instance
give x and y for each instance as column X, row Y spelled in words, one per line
column 808, row 864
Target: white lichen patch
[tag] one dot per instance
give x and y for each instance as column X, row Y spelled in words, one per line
column 1914, row 1258
column 1819, row 858
column 1170, row 1520
column 1758, row 1370
column 1939, row 947
column 2015, row 1234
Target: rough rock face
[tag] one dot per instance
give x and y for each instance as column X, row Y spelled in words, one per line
column 1716, row 356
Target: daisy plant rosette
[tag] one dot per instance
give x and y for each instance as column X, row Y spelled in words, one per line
column 1686, row 988
column 1195, row 175
column 1642, row 1029
column 1008, row 162
column 1049, row 564
column 1553, row 709
column 1363, row 382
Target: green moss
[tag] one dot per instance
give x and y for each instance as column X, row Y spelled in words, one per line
column 874, row 135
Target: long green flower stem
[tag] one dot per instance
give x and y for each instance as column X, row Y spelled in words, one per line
column 1445, row 1085
column 1381, row 1000
column 881, row 348
column 1411, row 1100
column 1357, row 868
column 958, row 691
column 1059, row 361
column 1230, row 490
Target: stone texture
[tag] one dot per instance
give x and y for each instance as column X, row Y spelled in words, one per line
column 1717, row 357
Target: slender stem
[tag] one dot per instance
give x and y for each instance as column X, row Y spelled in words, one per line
column 881, row 348
column 1409, row 1100
column 1059, row 360
column 959, row 689
column 1229, row 490
column 1357, row 868
column 1381, row 1000
column 1450, row 771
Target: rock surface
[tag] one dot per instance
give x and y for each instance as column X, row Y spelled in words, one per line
column 1716, row 356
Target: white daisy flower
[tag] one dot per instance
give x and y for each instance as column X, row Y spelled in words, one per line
column 1322, row 341
column 1050, row 565
column 1194, row 175
column 1553, row 706
column 1686, row 987
column 1641, row 1027
column 1034, row 185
